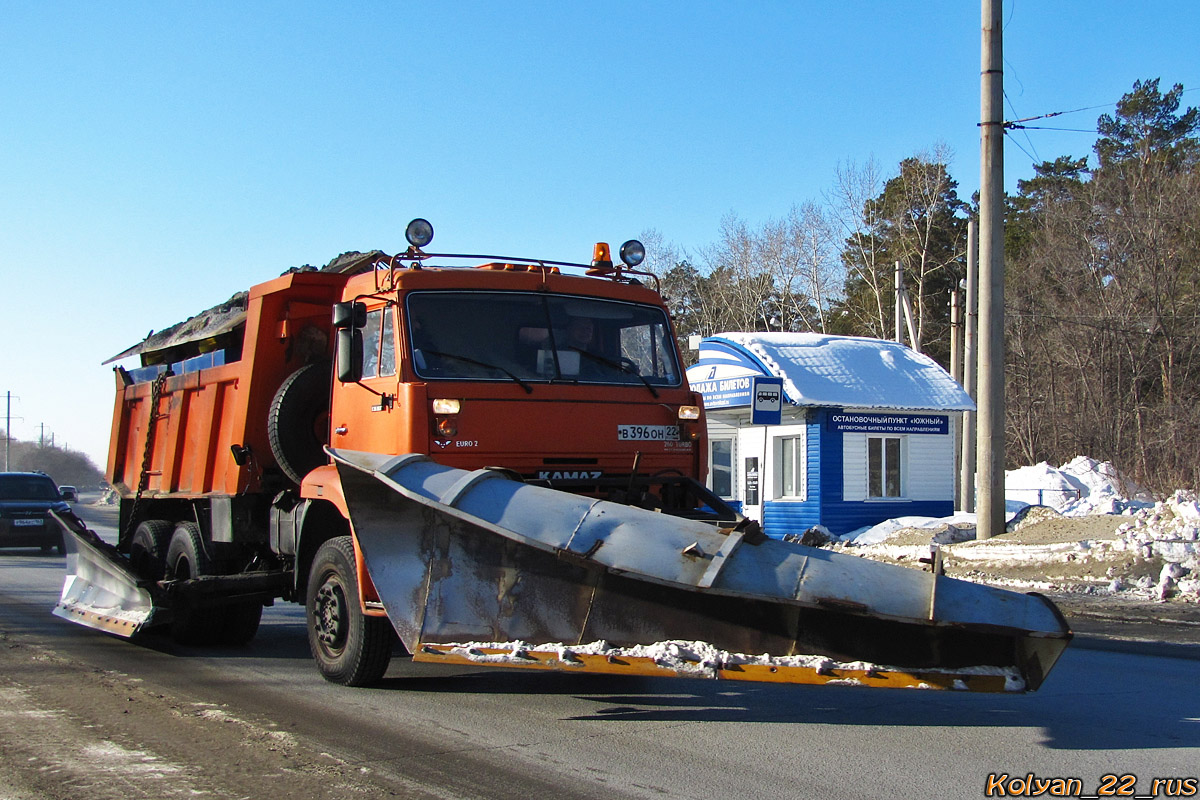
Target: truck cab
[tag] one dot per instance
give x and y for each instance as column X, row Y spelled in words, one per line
column 572, row 382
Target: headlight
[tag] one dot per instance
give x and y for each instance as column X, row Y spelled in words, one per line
column 689, row 412
column 446, row 405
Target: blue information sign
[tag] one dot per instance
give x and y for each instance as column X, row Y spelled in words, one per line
column 766, row 401
column 725, row 392
column 893, row 422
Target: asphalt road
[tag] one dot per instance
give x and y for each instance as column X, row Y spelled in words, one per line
column 259, row 721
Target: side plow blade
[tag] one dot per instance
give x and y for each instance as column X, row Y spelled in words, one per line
column 100, row 590
column 475, row 568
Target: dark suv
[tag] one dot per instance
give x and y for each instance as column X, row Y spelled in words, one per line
column 26, row 499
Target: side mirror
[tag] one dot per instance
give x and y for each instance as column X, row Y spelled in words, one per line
column 349, row 315
column 349, row 355
column 348, row 320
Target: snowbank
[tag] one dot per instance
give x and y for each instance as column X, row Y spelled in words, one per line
column 1170, row 531
column 1078, row 488
column 1081, row 486
column 1154, row 555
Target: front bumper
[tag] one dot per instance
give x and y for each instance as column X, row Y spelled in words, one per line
column 47, row 533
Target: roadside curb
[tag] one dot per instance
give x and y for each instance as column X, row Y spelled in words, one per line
column 1141, row 647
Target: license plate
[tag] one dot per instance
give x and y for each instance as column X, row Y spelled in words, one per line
column 648, row 433
column 26, row 523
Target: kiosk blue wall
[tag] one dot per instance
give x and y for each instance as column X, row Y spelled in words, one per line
column 866, row 431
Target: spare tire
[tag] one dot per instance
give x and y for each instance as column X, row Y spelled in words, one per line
column 298, row 421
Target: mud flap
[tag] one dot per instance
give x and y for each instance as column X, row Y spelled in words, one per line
column 101, row 590
column 473, row 567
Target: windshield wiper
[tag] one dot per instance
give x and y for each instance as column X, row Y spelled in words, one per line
column 618, row 366
column 528, row 389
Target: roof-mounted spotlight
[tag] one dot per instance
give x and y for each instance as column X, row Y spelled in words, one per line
column 633, row 253
column 419, row 233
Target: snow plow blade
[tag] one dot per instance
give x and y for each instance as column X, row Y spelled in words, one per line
column 100, row 590
column 477, row 568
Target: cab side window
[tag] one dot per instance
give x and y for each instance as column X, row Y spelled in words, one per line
column 379, row 344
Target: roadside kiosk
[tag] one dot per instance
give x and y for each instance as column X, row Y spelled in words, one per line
column 807, row 429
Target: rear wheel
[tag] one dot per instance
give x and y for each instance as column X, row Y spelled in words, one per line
column 186, row 558
column 148, row 548
column 239, row 622
column 234, row 624
column 349, row 647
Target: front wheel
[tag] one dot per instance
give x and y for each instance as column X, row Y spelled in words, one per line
column 349, row 647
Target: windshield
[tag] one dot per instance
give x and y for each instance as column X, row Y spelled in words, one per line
column 27, row 487
column 530, row 337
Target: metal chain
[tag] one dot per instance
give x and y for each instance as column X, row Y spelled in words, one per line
column 144, row 479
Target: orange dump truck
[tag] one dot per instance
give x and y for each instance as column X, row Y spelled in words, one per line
column 498, row 464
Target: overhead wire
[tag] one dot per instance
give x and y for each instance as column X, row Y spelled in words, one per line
column 1034, row 156
column 1017, row 123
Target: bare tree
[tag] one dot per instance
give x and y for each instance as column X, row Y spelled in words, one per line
column 856, row 200
column 812, row 231
column 1105, row 298
column 926, row 239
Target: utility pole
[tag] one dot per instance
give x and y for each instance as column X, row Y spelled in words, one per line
column 990, row 459
column 898, row 282
column 8, row 418
column 904, row 312
column 956, row 335
column 966, row 478
column 956, row 374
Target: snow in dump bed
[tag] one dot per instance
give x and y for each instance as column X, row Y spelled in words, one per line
column 853, row 372
column 701, row 659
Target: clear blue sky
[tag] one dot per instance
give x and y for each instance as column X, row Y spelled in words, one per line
column 156, row 157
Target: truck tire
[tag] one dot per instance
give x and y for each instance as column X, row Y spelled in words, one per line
column 349, row 647
column 239, row 622
column 148, row 549
column 187, row 558
column 298, row 421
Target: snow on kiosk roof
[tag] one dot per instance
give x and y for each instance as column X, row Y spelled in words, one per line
column 822, row 370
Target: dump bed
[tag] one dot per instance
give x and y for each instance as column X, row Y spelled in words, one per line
column 175, row 424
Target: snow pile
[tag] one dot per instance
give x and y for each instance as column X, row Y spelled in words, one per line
column 958, row 527
column 878, row 534
column 1169, row 531
column 1080, row 487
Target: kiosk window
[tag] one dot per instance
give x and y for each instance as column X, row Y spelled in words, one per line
column 883, row 466
column 721, row 474
column 789, row 472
